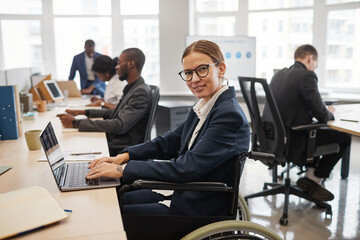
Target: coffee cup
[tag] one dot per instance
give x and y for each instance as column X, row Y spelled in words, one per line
column 33, row 139
column 41, row 105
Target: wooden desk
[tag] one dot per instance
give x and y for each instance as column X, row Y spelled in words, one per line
column 95, row 213
column 346, row 112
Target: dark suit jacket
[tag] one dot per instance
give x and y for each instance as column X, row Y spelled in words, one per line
column 126, row 123
column 297, row 96
column 223, row 136
column 78, row 64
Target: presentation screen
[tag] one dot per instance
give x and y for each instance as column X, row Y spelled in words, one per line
column 239, row 53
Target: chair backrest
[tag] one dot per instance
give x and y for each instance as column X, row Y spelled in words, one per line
column 154, row 97
column 268, row 132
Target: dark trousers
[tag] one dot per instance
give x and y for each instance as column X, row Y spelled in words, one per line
column 324, row 165
column 144, row 202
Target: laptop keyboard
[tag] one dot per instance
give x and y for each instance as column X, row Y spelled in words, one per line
column 78, row 177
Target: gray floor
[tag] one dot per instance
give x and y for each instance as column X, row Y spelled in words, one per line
column 306, row 221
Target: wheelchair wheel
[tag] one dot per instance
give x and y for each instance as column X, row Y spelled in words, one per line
column 232, row 230
column 244, row 213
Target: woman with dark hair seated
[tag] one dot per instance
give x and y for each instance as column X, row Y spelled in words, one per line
column 104, row 68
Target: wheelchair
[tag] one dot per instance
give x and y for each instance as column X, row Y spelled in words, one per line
column 198, row 227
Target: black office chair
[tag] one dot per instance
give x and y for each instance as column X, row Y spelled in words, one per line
column 154, row 98
column 269, row 135
column 176, row 227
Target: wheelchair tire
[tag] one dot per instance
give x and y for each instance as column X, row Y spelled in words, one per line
column 232, row 230
column 244, row 213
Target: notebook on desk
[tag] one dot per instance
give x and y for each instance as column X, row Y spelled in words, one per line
column 69, row 176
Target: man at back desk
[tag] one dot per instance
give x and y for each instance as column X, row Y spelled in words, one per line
column 297, row 96
column 126, row 123
column 89, row 82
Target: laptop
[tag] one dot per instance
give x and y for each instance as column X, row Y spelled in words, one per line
column 69, row 176
column 71, row 87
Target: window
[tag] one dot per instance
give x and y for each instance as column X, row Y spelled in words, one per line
column 70, row 36
column 74, row 23
column 276, row 4
column 141, row 30
column 144, row 34
column 216, row 17
column 22, row 44
column 293, row 28
column 340, row 1
column 216, row 26
column 131, row 7
column 83, row 7
column 32, row 7
column 216, row 5
column 342, row 49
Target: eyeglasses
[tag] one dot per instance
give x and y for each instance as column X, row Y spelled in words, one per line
column 201, row 70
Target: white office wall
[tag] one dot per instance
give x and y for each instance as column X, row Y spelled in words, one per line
column 174, row 26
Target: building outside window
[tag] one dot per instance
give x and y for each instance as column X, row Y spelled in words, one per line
column 280, row 26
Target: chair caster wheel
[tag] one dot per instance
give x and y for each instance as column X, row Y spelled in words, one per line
column 284, row 221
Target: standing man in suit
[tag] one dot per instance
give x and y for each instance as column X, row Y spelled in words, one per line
column 297, row 96
column 126, row 123
column 90, row 84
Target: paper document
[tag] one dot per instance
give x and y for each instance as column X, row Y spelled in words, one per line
column 79, row 155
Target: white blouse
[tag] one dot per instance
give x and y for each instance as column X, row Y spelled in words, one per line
column 202, row 110
column 114, row 90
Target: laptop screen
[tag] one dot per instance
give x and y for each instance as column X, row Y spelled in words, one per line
column 51, row 147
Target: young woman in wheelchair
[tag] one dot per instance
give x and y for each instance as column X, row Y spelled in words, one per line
column 203, row 148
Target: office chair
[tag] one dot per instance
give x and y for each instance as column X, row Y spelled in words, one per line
column 154, row 98
column 174, row 226
column 269, row 135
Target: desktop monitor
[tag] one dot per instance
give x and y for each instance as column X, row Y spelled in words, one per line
column 50, row 91
column 19, row 77
column 2, row 78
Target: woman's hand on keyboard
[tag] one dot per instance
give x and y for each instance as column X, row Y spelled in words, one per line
column 105, row 170
column 97, row 161
column 119, row 159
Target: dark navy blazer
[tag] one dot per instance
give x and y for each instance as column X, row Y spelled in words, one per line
column 78, row 64
column 223, row 136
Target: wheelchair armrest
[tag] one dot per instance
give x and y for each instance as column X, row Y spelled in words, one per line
column 309, row 127
column 263, row 157
column 190, row 186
